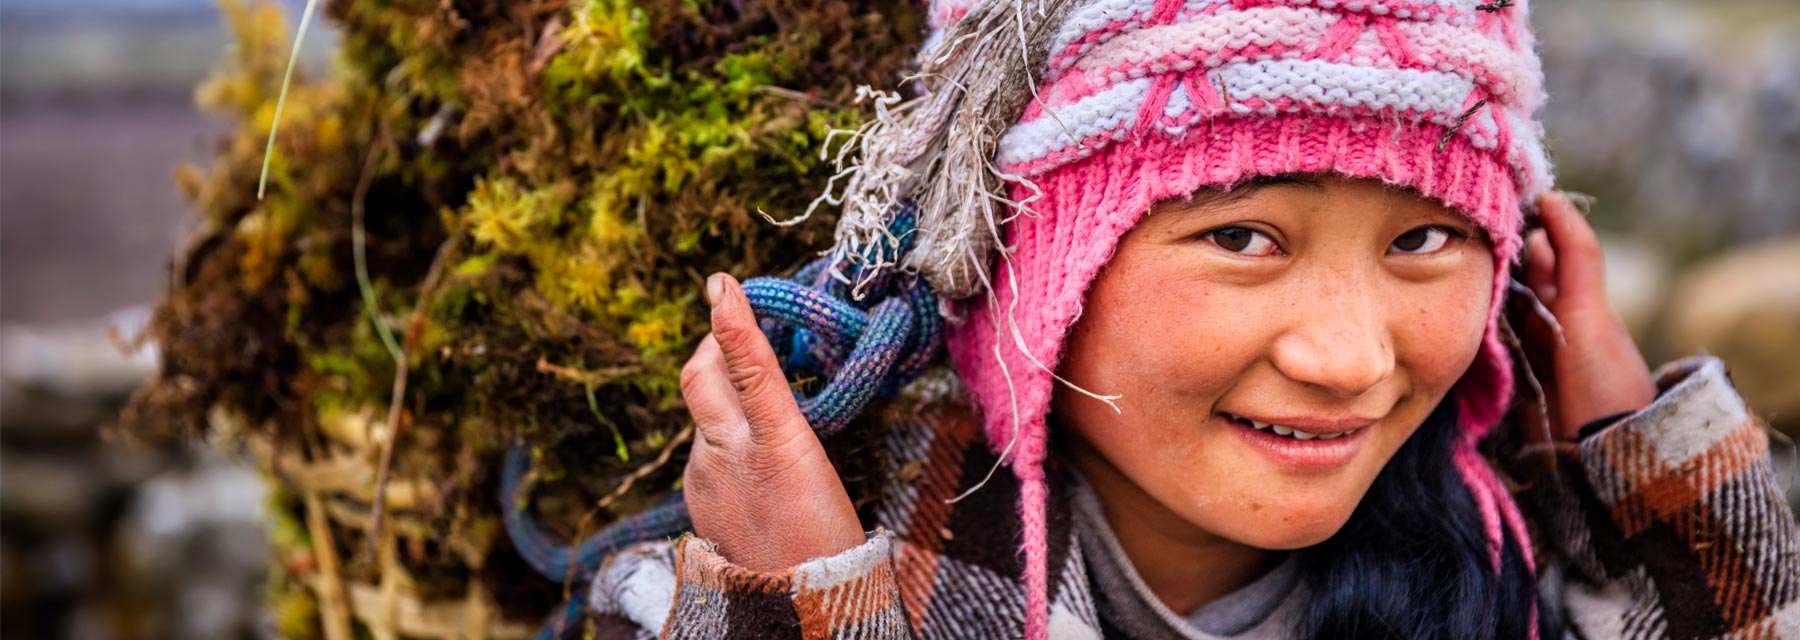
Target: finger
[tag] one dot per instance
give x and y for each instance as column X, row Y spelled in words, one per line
column 768, row 404
column 1540, row 267
column 711, row 401
column 1580, row 266
column 1541, row 339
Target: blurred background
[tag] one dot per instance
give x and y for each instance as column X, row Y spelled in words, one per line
column 1683, row 119
column 99, row 540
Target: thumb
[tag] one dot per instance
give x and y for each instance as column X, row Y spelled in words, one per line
column 750, row 362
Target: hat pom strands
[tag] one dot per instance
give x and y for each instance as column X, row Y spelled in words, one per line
column 936, row 152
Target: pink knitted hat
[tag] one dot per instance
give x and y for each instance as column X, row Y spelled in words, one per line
column 1139, row 101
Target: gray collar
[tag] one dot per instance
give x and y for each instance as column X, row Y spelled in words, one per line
column 1264, row 609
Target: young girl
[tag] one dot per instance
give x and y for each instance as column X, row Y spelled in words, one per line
column 1238, row 347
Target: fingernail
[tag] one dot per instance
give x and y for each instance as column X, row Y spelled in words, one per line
column 715, row 287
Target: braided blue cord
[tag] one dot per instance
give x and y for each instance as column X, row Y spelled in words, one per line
column 565, row 622
column 815, row 338
column 866, row 348
column 877, row 339
column 559, row 562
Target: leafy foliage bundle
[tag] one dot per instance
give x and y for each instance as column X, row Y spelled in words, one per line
column 490, row 222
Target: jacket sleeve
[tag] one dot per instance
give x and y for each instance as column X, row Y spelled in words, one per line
column 685, row 590
column 1671, row 521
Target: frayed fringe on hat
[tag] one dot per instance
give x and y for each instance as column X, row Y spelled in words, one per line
column 937, row 151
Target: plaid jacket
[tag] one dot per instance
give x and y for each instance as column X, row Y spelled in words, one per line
column 1669, row 524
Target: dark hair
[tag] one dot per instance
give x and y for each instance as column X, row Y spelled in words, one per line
column 1413, row 560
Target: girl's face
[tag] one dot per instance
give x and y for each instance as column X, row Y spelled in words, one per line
column 1274, row 346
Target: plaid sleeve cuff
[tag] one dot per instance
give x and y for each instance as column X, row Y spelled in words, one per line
column 1695, row 438
column 853, row 594
column 849, row 595
column 1680, row 505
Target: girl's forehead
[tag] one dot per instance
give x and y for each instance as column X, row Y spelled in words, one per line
column 1308, row 187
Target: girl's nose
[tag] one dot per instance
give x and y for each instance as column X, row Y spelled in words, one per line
column 1344, row 349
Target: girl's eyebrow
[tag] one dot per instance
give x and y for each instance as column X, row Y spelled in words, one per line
column 1243, row 190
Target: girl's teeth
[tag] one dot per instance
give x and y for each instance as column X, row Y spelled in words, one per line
column 1295, row 433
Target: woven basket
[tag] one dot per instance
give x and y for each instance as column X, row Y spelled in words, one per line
column 335, row 490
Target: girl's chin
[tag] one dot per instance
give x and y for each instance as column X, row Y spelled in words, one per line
column 1277, row 513
column 1277, row 529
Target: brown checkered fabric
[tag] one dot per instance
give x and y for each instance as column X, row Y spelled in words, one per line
column 850, row 595
column 1670, row 521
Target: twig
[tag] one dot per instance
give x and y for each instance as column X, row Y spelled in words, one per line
column 686, row 433
column 434, row 128
column 281, row 101
column 589, row 380
column 596, row 377
column 784, row 92
column 383, row 624
column 358, row 254
column 549, row 43
column 1444, row 142
column 334, row 605
column 415, row 331
column 620, row 449
column 1543, row 312
column 378, row 505
column 1546, row 435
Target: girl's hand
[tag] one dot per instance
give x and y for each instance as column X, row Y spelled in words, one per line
column 1596, row 370
column 758, row 482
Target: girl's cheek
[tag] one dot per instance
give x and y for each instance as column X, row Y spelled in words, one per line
column 1444, row 332
column 1164, row 315
column 1201, row 349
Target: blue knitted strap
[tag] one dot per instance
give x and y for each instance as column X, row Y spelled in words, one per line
column 800, row 306
column 875, row 340
column 866, row 348
column 565, row 622
column 863, row 376
column 558, row 561
column 923, row 342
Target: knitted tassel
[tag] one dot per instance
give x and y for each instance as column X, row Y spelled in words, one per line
column 1033, row 510
column 1472, row 469
column 1499, row 514
column 937, row 151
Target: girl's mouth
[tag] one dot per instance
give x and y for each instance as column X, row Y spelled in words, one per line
column 1312, row 448
column 1290, row 432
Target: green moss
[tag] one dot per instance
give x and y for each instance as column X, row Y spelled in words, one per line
column 293, row 610
column 507, row 217
column 573, row 170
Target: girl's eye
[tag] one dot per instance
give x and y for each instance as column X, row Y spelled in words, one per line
column 1422, row 240
column 1243, row 241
